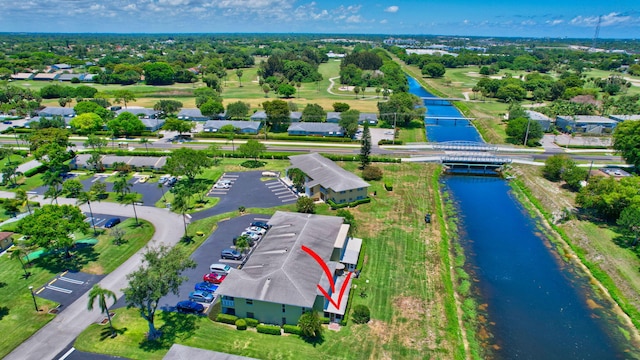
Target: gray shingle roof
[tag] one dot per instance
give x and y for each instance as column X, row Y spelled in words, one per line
column 139, row 110
column 326, row 173
column 534, row 115
column 190, row 113
column 588, row 119
column 56, row 111
column 217, row 124
column 624, row 117
column 315, row 127
column 279, row 271
column 334, row 115
column 259, row 115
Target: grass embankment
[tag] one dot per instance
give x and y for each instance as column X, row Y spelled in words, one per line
column 595, row 245
column 18, row 318
column 409, row 290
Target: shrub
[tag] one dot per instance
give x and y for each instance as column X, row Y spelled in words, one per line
column 35, row 170
column 389, row 142
column 241, row 324
column 253, row 164
column 227, row 319
column 251, row 322
column 388, row 186
column 372, row 173
column 361, row 201
column 292, row 329
column 325, row 320
column 361, row 314
column 269, row 329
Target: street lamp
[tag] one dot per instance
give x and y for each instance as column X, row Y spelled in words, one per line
column 35, row 304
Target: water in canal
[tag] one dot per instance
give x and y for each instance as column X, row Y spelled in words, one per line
column 537, row 306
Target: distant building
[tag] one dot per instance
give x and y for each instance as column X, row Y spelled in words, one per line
column 540, row 118
column 315, row 128
column 145, row 113
column 69, row 77
column 51, row 111
column 325, row 180
column 624, row 117
column 137, row 162
column 192, row 114
column 154, row 124
column 333, row 117
column 23, row 76
column 6, row 240
column 295, row 116
column 61, row 67
column 46, row 77
column 259, row 116
column 371, row 118
column 246, row 127
column 589, row 124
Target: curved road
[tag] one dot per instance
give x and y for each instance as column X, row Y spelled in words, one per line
column 66, row 326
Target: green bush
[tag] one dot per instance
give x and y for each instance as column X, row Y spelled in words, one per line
column 251, row 322
column 325, row 320
column 361, row 201
column 292, row 329
column 269, row 329
column 35, row 170
column 372, row 173
column 252, row 164
column 389, row 142
column 241, row 324
column 335, row 206
column 388, row 185
column 227, row 319
column 361, row 314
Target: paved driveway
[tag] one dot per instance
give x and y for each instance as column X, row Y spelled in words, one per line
column 249, row 191
column 209, row 253
column 67, row 287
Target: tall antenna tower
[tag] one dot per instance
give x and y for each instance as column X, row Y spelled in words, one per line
column 595, row 36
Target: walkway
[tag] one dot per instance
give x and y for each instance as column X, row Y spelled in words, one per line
column 66, row 326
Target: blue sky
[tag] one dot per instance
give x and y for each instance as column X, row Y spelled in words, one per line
column 542, row 18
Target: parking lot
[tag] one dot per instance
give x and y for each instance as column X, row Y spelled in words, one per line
column 67, row 287
column 248, row 190
column 209, row 253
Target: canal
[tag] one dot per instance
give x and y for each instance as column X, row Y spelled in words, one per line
column 537, row 306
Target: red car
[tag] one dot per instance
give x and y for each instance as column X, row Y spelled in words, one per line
column 214, row 278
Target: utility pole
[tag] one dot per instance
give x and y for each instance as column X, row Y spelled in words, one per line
column 395, row 119
column 526, row 135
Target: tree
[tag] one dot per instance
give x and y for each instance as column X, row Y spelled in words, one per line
column 126, row 124
column 99, row 189
column 10, row 174
column 433, row 69
column 18, row 253
column 522, row 129
column 167, row 107
column 239, row 75
column 124, row 96
column 187, row 162
column 340, row 107
column 310, row 324
column 238, row 110
column 242, row 243
column 213, row 82
column 278, row 113
column 72, row 188
column 85, row 197
column 372, row 173
column 145, row 142
column 90, row 107
column 348, row 219
column 356, row 89
column 313, row 113
column 574, row 177
column 181, row 205
column 117, row 233
column 42, row 137
column 626, row 141
column 131, row 198
column 50, row 227
column 211, row 108
column 23, row 199
column 511, row 92
column 305, row 205
column 252, row 149
column 365, row 147
column 266, row 88
column 361, row 314
column 87, row 123
column 95, row 143
column 158, row 73
column 298, row 178
column 349, row 122
column 102, row 295
column 160, row 274
column 555, row 166
column 121, row 186
column 402, row 108
column 181, row 126
column 53, row 180
column 629, row 221
column 286, row 90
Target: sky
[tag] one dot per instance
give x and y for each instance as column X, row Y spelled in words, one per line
column 507, row 18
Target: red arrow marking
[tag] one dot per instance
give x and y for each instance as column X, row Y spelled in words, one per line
column 322, row 264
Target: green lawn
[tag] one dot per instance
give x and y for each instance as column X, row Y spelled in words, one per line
column 402, row 265
column 18, row 318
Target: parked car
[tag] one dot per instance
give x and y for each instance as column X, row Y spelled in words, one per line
column 189, row 307
column 261, row 224
column 201, row 296
column 143, row 179
column 7, row 122
column 111, row 223
column 252, row 235
column 224, row 181
column 205, row 286
column 256, row 229
column 230, row 254
column 220, row 186
column 214, row 278
column 222, row 269
column 163, row 179
column 172, row 181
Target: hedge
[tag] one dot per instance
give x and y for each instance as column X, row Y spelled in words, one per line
column 389, row 142
column 241, row 324
column 215, row 135
column 227, row 319
column 292, row 329
column 251, row 322
column 269, row 329
column 325, row 320
column 36, row 170
column 335, row 206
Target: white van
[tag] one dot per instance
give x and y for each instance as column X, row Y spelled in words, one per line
column 221, row 269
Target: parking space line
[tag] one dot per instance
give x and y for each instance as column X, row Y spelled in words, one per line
column 67, row 353
column 230, row 176
column 59, row 289
column 281, row 191
column 272, row 184
column 73, row 281
column 40, row 290
column 52, row 281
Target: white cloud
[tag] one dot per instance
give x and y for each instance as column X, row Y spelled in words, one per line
column 528, row 22
column 554, row 22
column 392, row 9
column 383, row 21
column 610, row 19
column 355, row 19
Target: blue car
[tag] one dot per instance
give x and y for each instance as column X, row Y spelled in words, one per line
column 189, row 307
column 111, row 223
column 205, row 286
column 201, row 296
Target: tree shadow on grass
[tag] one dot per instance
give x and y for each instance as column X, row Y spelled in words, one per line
column 315, row 341
column 58, row 262
column 4, row 311
column 176, row 327
column 627, row 242
column 107, row 333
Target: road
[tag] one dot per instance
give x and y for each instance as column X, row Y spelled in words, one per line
column 66, row 326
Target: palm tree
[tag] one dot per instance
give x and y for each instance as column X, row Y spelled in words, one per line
column 161, row 186
column 239, row 75
column 131, row 198
column 19, row 253
column 145, row 141
column 85, row 197
column 181, row 205
column 121, row 186
column 22, row 197
column 102, row 295
column 53, row 180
